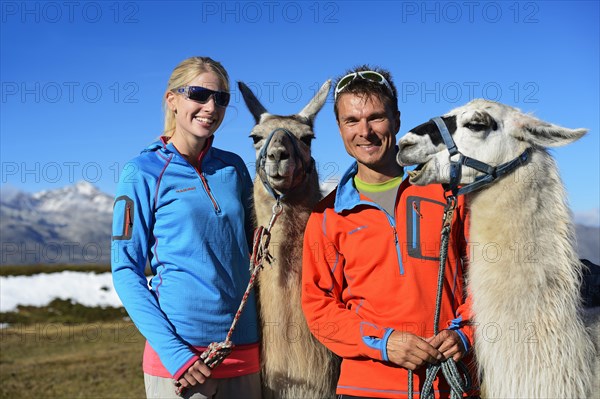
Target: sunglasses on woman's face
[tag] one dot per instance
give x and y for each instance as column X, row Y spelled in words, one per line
column 202, row 95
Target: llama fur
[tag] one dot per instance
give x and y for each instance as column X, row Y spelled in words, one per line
column 524, row 274
column 293, row 363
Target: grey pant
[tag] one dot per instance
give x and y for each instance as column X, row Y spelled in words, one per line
column 247, row 386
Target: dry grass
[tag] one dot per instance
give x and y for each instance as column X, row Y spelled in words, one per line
column 67, row 350
column 55, row 360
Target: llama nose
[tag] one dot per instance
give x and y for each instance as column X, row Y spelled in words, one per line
column 278, row 153
column 403, row 144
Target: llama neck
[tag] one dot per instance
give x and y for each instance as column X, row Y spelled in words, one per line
column 297, row 205
column 524, row 281
column 287, row 233
column 525, row 216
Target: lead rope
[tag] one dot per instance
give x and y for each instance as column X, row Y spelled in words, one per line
column 459, row 381
column 216, row 352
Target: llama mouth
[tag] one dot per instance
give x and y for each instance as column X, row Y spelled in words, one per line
column 277, row 178
column 415, row 174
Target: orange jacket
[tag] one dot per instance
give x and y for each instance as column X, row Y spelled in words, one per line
column 366, row 273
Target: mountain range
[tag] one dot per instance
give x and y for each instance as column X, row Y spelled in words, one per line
column 72, row 225
column 69, row 225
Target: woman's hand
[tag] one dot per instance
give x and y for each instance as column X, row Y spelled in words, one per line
column 196, row 374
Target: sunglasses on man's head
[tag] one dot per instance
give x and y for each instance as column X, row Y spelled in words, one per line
column 202, row 95
column 371, row 76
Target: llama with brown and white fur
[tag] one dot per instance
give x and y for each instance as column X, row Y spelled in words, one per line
column 294, row 363
column 524, row 274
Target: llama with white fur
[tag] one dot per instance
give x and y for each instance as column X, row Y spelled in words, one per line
column 524, row 273
column 294, row 363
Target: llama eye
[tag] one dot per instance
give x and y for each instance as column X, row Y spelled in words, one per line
column 307, row 140
column 476, row 126
column 255, row 138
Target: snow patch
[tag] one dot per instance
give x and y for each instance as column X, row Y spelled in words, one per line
column 88, row 289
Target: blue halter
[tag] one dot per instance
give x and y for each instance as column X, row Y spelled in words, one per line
column 262, row 159
column 491, row 173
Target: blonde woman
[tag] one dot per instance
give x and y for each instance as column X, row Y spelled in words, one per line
column 184, row 206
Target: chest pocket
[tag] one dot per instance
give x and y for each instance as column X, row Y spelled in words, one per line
column 423, row 227
column 123, row 213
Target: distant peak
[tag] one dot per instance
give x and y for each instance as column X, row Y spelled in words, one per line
column 85, row 187
column 9, row 190
column 81, row 188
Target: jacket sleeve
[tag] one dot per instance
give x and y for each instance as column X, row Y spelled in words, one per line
column 462, row 323
column 132, row 225
column 248, row 202
column 338, row 328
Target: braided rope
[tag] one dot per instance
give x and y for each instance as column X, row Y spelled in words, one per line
column 459, row 381
column 216, row 352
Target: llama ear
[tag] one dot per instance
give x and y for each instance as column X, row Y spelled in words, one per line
column 546, row 134
column 254, row 106
column 314, row 106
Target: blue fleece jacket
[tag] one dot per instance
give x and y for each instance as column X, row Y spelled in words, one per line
column 193, row 227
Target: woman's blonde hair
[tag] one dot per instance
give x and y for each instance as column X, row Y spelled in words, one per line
column 182, row 75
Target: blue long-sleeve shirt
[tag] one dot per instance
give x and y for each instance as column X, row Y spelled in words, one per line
column 192, row 226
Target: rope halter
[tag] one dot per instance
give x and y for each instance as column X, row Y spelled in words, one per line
column 216, row 352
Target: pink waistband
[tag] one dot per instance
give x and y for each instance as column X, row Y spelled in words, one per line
column 243, row 360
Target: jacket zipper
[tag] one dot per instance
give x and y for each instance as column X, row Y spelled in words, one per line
column 392, row 222
column 416, row 216
column 398, row 253
column 208, row 191
column 203, row 179
column 128, row 220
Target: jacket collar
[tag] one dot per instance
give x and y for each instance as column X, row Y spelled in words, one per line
column 347, row 196
column 167, row 148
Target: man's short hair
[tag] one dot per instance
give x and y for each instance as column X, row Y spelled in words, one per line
column 368, row 87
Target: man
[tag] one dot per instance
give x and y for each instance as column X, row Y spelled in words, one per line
column 371, row 257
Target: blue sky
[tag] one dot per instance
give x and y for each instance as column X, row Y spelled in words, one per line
column 82, row 82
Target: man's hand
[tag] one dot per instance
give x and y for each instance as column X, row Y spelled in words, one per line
column 197, row 373
column 411, row 351
column 448, row 342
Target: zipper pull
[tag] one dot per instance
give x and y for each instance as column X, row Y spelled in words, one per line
column 414, row 205
column 398, row 251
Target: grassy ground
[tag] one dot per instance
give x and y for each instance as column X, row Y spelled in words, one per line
column 87, row 360
column 67, row 350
